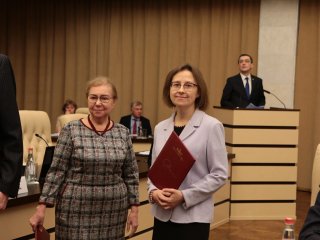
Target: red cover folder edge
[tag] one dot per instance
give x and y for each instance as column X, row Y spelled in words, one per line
column 42, row 234
column 172, row 164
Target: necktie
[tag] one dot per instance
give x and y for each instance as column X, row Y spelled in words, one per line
column 247, row 87
column 134, row 126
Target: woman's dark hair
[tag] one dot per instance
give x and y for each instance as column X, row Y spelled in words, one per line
column 201, row 101
column 67, row 103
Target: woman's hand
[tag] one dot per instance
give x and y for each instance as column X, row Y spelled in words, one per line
column 167, row 198
column 37, row 218
column 132, row 221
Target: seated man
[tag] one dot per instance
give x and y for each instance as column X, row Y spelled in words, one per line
column 311, row 227
column 243, row 90
column 136, row 121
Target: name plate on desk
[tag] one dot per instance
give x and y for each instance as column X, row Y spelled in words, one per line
column 23, row 188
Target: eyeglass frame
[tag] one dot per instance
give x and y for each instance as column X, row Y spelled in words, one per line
column 187, row 86
column 96, row 98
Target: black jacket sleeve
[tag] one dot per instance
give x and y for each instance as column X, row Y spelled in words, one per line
column 11, row 150
column 311, row 227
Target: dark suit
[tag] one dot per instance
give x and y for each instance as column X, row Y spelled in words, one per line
column 311, row 227
column 234, row 94
column 11, row 150
column 126, row 121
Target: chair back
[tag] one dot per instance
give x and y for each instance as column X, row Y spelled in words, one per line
column 83, row 110
column 64, row 119
column 35, row 122
column 315, row 176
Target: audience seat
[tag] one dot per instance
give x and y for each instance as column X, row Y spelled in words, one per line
column 315, row 176
column 64, row 119
column 33, row 122
column 83, row 110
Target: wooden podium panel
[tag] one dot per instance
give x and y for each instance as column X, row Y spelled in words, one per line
column 258, row 117
column 254, row 136
column 221, row 215
column 264, row 192
column 262, row 211
column 264, row 155
column 264, row 174
column 222, row 194
column 264, row 171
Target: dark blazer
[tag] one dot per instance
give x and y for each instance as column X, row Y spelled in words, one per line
column 311, row 226
column 126, row 121
column 234, row 94
column 11, row 150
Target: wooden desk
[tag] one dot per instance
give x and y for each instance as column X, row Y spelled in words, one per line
column 15, row 219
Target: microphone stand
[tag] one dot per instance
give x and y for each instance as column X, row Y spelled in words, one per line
column 268, row 92
column 37, row 135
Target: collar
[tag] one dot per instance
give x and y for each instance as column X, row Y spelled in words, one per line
column 244, row 76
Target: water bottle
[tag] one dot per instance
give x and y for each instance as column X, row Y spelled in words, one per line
column 30, row 170
column 288, row 232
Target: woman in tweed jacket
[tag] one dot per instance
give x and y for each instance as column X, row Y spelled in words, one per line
column 93, row 179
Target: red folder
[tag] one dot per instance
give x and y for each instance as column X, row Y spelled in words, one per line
column 172, row 164
column 42, row 234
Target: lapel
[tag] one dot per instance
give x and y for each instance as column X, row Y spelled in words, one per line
column 192, row 125
column 189, row 129
column 254, row 85
column 168, row 127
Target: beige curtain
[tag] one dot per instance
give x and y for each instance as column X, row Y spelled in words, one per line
column 57, row 46
column 307, row 87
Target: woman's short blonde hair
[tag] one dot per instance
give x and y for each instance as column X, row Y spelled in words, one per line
column 99, row 81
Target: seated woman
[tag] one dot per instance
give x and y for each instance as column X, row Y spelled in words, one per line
column 69, row 107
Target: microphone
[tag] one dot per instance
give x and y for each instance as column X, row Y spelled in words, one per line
column 37, row 135
column 266, row 91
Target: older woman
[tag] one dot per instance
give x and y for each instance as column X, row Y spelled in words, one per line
column 186, row 213
column 93, row 179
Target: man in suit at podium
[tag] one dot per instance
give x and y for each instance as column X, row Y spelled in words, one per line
column 243, row 90
column 135, row 121
column 11, row 150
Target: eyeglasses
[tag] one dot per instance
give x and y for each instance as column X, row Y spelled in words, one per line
column 187, row 86
column 102, row 98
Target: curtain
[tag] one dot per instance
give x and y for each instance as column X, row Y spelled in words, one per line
column 307, row 88
column 57, row 46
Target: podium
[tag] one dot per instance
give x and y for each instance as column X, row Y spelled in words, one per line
column 264, row 170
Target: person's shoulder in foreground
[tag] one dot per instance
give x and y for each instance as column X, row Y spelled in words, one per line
column 11, row 135
column 311, row 226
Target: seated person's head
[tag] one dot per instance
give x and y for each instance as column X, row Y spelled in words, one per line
column 136, row 109
column 69, row 107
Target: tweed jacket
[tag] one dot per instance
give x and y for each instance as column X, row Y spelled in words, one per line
column 234, row 94
column 204, row 138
